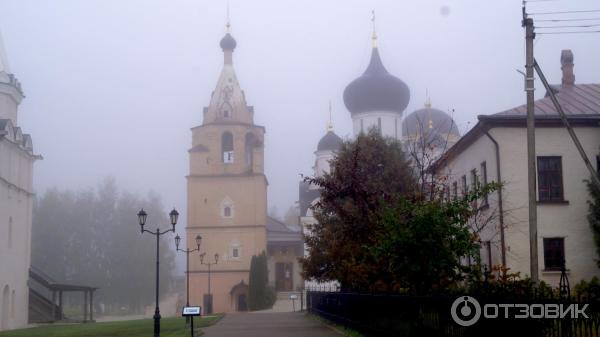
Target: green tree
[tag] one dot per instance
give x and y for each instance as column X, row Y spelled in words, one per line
column 91, row 237
column 366, row 174
column 260, row 296
column 594, row 214
column 377, row 231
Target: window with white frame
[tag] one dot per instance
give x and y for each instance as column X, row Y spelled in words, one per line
column 227, row 210
column 235, row 251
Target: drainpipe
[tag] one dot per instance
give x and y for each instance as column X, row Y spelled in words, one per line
column 500, row 209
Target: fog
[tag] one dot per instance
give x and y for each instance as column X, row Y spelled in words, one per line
column 113, row 87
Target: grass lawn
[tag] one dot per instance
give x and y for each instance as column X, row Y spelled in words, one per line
column 169, row 327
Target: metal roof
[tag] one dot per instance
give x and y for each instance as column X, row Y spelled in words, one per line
column 577, row 99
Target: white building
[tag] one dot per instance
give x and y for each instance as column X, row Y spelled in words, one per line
column 495, row 150
column 16, row 201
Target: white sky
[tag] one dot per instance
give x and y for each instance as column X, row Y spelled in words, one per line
column 113, row 86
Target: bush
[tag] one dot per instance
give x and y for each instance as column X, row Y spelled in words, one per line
column 260, row 295
column 588, row 289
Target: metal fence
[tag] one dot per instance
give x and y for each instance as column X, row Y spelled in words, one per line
column 400, row 315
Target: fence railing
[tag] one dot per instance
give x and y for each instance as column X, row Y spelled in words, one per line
column 402, row 315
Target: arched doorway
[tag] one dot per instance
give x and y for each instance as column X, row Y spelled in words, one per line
column 5, row 308
column 242, row 304
column 239, row 296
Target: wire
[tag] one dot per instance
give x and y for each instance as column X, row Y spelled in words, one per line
column 568, row 26
column 580, row 32
column 570, row 19
column 566, row 12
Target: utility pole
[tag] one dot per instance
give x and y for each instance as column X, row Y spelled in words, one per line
column 531, row 158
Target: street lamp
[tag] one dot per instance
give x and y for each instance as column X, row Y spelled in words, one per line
column 187, row 261
column 142, row 216
column 209, row 306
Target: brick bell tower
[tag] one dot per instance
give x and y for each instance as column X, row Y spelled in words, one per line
column 227, row 194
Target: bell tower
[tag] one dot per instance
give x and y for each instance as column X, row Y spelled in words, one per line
column 227, row 193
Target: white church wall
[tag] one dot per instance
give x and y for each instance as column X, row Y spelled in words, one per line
column 390, row 123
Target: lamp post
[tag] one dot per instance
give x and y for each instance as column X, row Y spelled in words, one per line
column 142, row 216
column 209, row 309
column 187, row 262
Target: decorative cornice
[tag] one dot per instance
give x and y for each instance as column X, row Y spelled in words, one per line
column 225, row 226
column 227, row 175
column 219, row 271
column 11, row 185
column 228, row 124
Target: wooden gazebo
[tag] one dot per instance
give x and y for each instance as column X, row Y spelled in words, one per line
column 50, row 308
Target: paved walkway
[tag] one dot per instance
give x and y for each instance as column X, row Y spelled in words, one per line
column 289, row 324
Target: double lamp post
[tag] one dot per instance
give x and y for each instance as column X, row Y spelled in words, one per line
column 208, row 303
column 142, row 216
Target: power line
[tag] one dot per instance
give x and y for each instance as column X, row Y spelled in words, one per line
column 568, row 26
column 580, row 32
column 566, row 12
column 569, row 19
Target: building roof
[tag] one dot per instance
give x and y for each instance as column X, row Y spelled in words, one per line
column 329, row 142
column 577, row 99
column 376, row 90
column 580, row 102
column 276, row 226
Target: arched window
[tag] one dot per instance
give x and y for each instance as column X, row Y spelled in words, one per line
column 227, row 147
column 227, row 210
column 10, row 231
column 250, row 143
column 226, row 110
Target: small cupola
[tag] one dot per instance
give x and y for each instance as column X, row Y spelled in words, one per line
column 228, row 45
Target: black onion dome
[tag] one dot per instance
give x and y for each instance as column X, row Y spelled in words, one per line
column 228, row 42
column 418, row 122
column 376, row 90
column 329, row 142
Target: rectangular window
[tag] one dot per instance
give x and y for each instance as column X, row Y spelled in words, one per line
column 550, row 183
column 474, row 185
column 379, row 124
column 484, row 181
column 465, row 188
column 554, row 253
column 455, row 190
column 236, row 252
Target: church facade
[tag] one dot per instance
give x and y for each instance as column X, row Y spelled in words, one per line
column 227, row 202
column 16, row 202
column 377, row 100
